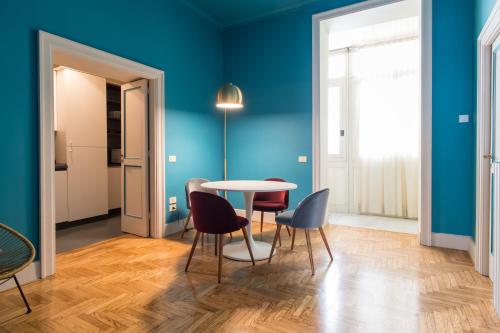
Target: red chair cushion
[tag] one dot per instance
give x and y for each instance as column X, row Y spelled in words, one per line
column 269, row 206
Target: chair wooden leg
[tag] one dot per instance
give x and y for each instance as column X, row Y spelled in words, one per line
column 192, row 250
column 326, row 243
column 248, row 244
column 186, row 224
column 28, row 309
column 293, row 237
column 276, row 236
column 309, row 248
column 220, row 256
column 202, row 240
column 261, row 221
column 288, row 230
column 216, row 243
column 279, row 239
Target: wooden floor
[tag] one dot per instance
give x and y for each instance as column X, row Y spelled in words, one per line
column 378, row 282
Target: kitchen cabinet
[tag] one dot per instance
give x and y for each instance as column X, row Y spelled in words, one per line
column 87, row 182
column 81, row 108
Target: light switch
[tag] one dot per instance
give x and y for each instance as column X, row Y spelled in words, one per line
column 463, row 118
column 172, row 200
column 172, row 158
column 302, row 159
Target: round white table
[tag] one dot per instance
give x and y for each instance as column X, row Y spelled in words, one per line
column 238, row 250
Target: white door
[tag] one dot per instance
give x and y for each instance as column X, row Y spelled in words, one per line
column 135, row 179
column 495, row 149
column 333, row 122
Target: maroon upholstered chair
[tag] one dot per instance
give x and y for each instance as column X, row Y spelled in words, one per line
column 275, row 202
column 213, row 214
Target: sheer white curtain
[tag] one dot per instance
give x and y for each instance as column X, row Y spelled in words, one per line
column 384, row 110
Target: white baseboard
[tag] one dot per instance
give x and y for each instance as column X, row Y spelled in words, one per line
column 29, row 274
column 490, row 267
column 450, row 241
column 472, row 251
column 175, row 227
column 268, row 217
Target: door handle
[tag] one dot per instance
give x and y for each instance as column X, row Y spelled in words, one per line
column 489, row 156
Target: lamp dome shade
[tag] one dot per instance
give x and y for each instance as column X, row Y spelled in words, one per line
column 229, row 96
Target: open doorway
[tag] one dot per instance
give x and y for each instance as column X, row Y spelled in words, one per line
column 369, row 110
column 90, row 173
column 88, row 97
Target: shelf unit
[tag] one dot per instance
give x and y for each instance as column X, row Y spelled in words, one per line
column 113, row 96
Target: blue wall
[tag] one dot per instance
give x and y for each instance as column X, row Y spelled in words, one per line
column 270, row 60
column 453, row 185
column 162, row 34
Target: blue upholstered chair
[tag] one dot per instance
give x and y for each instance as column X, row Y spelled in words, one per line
column 310, row 214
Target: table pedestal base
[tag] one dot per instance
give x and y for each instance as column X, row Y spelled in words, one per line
column 239, row 251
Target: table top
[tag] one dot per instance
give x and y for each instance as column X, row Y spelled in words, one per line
column 250, row 186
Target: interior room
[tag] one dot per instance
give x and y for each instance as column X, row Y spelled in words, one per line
column 89, row 131
column 87, row 140
column 370, row 116
column 250, row 166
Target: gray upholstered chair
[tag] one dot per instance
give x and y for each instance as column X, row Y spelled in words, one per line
column 310, row 214
column 194, row 185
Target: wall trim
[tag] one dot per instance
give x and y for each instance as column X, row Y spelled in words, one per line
column 27, row 275
column 48, row 43
column 490, row 273
column 451, row 241
column 489, row 33
column 174, row 227
column 425, row 186
column 472, row 251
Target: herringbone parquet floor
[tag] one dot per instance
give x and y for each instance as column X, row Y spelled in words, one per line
column 379, row 282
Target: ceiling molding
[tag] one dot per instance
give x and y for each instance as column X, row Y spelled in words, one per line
column 267, row 14
column 201, row 12
column 247, row 20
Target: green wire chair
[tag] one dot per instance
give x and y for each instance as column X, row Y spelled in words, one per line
column 16, row 253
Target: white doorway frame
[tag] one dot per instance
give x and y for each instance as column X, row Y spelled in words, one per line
column 425, row 181
column 48, row 44
column 488, row 35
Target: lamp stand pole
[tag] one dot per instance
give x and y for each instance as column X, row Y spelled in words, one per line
column 225, row 149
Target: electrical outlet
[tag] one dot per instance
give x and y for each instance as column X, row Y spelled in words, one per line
column 172, row 158
column 463, row 118
column 172, row 200
column 302, row 159
column 172, row 208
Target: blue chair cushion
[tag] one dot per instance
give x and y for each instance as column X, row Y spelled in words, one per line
column 285, row 218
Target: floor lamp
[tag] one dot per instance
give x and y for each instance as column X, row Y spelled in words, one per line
column 229, row 98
